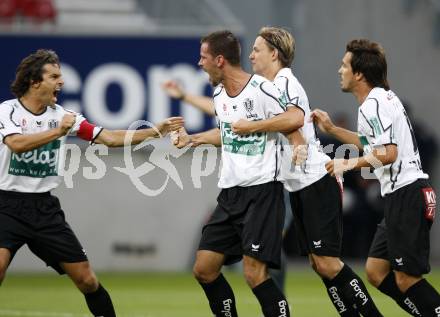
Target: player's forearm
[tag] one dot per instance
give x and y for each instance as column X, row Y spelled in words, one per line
column 208, row 137
column 346, row 136
column 201, row 102
column 296, row 138
column 117, row 138
column 19, row 143
column 285, row 122
column 380, row 156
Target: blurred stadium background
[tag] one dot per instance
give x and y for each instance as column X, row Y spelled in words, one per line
column 142, row 235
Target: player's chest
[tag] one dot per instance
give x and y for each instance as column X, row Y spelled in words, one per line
column 233, row 109
column 35, row 124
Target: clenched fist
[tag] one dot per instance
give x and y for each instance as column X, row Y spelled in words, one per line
column 67, row 123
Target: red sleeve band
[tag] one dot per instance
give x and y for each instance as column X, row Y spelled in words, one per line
column 85, row 131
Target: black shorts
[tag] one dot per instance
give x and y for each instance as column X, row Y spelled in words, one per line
column 36, row 219
column 402, row 237
column 247, row 221
column 317, row 215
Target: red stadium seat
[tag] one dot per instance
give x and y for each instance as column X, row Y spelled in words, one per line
column 8, row 9
column 38, row 10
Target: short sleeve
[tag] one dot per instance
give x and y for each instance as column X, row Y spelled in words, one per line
column 288, row 91
column 378, row 122
column 8, row 124
column 272, row 100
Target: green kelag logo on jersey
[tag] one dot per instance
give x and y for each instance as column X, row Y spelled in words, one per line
column 252, row 144
column 40, row 162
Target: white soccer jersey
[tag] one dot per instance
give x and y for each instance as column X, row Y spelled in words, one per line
column 298, row 177
column 38, row 170
column 382, row 120
column 248, row 159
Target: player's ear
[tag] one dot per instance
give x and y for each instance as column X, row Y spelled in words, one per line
column 359, row 76
column 275, row 54
column 35, row 84
column 220, row 60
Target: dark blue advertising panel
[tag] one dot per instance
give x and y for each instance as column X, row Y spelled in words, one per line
column 115, row 81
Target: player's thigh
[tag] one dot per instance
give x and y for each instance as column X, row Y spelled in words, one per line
column 408, row 229
column 318, row 217
column 262, row 227
column 55, row 242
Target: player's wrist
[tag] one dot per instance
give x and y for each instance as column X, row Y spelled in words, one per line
column 59, row 132
column 255, row 126
column 332, row 129
column 181, row 96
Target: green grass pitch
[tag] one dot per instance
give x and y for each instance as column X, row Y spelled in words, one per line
column 167, row 295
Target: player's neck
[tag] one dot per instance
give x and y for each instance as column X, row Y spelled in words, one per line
column 32, row 103
column 235, row 80
column 361, row 92
column 272, row 72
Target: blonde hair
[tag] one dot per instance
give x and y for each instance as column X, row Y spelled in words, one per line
column 282, row 40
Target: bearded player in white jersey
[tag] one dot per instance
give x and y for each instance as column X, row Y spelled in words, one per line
column 33, row 130
column 315, row 196
column 248, row 221
column 399, row 254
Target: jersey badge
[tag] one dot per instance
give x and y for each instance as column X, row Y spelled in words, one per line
column 52, row 123
column 249, row 106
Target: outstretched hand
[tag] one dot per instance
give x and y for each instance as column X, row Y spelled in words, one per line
column 337, row 167
column 173, row 89
column 170, row 124
column 180, row 138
